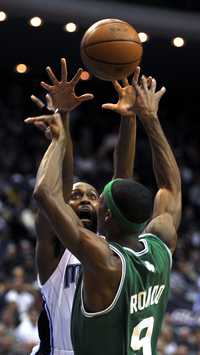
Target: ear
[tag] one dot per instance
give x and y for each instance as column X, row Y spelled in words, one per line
column 108, row 216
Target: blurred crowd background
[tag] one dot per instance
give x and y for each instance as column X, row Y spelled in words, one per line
column 94, row 135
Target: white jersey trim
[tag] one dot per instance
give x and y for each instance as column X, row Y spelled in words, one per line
column 165, row 245
column 63, row 352
column 48, row 313
column 141, row 252
column 109, row 308
column 45, row 284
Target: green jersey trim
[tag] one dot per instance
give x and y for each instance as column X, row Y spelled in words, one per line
column 166, row 247
column 118, row 293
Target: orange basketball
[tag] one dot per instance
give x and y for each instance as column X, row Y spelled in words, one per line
column 111, row 49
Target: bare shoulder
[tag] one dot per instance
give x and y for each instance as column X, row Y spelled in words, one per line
column 163, row 227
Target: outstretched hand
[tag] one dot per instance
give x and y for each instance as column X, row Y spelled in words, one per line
column 50, row 124
column 147, row 99
column 127, row 96
column 63, row 92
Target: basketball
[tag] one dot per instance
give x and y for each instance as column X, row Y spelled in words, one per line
column 111, row 49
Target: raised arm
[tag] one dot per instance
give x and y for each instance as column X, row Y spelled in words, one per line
column 49, row 183
column 47, row 242
column 46, row 123
column 124, row 153
column 167, row 204
column 64, row 99
column 68, row 163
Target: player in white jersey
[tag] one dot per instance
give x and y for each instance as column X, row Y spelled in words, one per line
column 58, row 268
column 58, row 290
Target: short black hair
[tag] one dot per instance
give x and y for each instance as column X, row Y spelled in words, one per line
column 134, row 200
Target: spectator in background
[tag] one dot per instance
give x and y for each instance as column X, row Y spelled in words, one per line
column 27, row 332
column 167, row 340
column 18, row 294
column 7, row 342
column 182, row 350
column 10, row 317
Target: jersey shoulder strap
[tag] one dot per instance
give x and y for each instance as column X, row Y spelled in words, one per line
column 155, row 255
column 157, row 249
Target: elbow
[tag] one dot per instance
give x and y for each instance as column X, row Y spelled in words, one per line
column 174, row 185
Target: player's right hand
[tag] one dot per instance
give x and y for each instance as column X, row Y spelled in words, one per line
column 63, row 91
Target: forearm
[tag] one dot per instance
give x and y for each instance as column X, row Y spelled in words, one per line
column 67, row 171
column 124, row 153
column 49, row 175
column 48, row 193
column 164, row 164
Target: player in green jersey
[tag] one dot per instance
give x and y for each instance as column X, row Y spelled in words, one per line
column 121, row 298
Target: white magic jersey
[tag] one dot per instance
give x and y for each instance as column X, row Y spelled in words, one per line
column 58, row 294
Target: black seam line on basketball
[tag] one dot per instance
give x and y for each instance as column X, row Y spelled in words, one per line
column 111, row 22
column 110, row 40
column 103, row 61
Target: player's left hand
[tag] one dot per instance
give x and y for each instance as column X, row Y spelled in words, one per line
column 127, row 96
column 63, row 92
column 147, row 99
column 47, row 123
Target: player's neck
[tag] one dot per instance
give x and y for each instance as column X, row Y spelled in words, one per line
column 130, row 241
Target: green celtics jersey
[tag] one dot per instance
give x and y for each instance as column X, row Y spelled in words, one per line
column 132, row 323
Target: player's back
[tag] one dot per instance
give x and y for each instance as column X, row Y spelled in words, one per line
column 132, row 323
